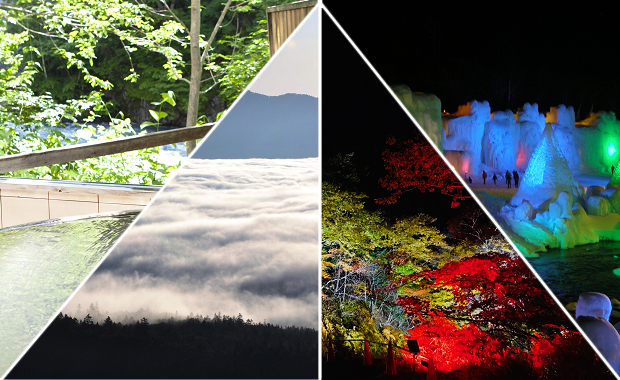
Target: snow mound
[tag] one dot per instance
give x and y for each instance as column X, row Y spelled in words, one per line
column 598, row 206
column 592, row 314
column 604, row 336
column 547, row 174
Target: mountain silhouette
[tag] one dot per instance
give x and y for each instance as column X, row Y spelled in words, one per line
column 262, row 126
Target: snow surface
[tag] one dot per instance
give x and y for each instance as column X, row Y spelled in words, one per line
column 605, row 337
column 594, row 305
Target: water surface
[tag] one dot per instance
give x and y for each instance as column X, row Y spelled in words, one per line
column 585, row 268
column 41, row 264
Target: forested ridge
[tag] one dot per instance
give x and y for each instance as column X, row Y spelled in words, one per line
column 200, row 347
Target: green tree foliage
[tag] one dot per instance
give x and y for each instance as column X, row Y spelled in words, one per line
column 75, row 60
column 361, row 251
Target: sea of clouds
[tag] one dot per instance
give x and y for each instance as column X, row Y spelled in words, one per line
column 228, row 236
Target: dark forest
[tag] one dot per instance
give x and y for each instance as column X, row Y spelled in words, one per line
column 218, row 347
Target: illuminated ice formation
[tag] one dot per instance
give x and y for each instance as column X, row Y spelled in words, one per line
column 425, row 109
column 549, row 209
column 589, row 146
column 592, row 313
column 531, row 125
column 500, row 141
column 599, row 136
column 547, row 174
column 464, row 132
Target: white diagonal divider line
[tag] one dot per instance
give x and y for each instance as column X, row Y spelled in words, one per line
column 387, row 87
column 170, row 179
column 320, row 195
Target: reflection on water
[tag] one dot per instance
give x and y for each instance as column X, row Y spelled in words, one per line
column 40, row 266
column 586, row 268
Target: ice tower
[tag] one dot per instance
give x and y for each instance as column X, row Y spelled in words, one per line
column 547, row 174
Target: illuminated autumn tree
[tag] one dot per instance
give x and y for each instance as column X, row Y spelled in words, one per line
column 415, row 165
column 359, row 248
column 489, row 311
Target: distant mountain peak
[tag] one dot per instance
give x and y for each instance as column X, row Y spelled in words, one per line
column 263, row 126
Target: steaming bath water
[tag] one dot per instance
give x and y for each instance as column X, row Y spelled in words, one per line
column 41, row 264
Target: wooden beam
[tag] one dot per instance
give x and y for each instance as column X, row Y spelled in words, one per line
column 101, row 148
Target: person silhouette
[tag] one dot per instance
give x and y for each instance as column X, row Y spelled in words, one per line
column 515, row 175
column 494, row 179
column 484, row 177
column 508, row 178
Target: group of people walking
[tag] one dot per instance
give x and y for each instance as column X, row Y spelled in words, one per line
column 514, row 176
column 508, row 176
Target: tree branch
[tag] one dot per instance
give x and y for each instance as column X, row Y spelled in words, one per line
column 175, row 17
column 215, row 29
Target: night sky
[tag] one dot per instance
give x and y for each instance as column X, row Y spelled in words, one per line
column 526, row 52
column 359, row 115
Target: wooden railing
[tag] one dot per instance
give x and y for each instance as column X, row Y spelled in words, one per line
column 101, row 148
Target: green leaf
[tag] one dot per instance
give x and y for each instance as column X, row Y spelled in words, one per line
column 155, row 114
column 168, row 97
column 147, row 124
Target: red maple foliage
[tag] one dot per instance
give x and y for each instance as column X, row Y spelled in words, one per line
column 466, row 351
column 491, row 290
column 416, row 165
column 501, row 319
column 455, row 347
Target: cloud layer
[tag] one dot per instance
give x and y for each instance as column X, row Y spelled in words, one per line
column 229, row 236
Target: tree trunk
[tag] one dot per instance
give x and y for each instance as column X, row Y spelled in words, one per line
column 197, row 61
column 196, row 72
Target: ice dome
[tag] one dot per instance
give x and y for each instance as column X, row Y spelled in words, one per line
column 547, row 174
column 593, row 305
